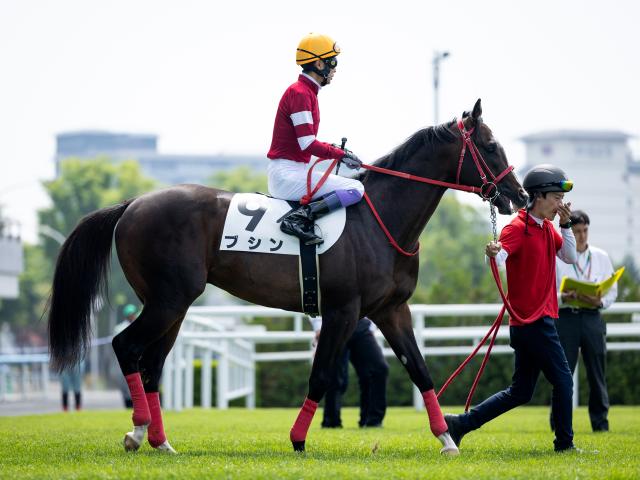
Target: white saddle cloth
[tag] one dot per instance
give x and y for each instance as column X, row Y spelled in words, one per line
column 253, row 225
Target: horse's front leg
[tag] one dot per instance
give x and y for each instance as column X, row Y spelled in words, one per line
column 397, row 327
column 337, row 326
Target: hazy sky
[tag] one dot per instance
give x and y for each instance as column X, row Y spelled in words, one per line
column 206, row 76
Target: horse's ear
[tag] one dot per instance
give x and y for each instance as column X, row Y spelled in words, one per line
column 465, row 114
column 477, row 110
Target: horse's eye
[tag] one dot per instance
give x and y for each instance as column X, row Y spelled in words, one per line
column 492, row 147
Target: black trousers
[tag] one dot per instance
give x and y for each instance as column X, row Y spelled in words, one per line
column 372, row 370
column 537, row 349
column 584, row 330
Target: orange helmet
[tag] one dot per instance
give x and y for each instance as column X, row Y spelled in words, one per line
column 316, row 47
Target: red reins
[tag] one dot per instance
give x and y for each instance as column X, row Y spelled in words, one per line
column 485, row 192
column 467, row 141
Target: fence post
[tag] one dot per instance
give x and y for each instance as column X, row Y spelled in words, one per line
column 222, row 376
column 167, row 382
column 250, row 380
column 45, row 378
column 178, row 372
column 205, row 379
column 188, row 376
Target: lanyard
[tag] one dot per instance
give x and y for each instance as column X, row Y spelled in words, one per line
column 587, row 268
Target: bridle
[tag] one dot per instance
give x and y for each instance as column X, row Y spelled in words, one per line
column 485, row 190
column 481, row 165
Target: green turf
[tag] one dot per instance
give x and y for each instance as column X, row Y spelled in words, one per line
column 239, row 443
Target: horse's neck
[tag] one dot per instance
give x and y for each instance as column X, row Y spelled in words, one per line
column 406, row 206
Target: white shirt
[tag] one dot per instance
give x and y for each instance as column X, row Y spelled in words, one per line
column 567, row 252
column 593, row 265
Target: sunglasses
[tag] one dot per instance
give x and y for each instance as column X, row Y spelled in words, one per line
column 564, row 185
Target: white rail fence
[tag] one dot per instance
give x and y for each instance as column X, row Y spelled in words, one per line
column 222, row 333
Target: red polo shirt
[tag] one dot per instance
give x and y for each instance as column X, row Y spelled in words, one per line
column 531, row 268
column 296, row 125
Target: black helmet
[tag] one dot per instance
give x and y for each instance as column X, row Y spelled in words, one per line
column 546, row 178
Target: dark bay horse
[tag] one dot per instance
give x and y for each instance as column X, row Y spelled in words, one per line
column 168, row 245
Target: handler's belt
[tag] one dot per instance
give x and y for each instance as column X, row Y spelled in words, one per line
column 576, row 310
column 309, row 278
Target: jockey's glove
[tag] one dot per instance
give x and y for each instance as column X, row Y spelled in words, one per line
column 351, row 160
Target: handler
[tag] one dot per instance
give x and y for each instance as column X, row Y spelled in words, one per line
column 583, row 328
column 528, row 246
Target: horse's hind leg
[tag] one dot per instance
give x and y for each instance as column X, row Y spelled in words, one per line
column 397, row 328
column 155, row 322
column 337, row 327
column 151, row 365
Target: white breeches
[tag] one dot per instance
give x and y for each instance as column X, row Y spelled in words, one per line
column 288, row 180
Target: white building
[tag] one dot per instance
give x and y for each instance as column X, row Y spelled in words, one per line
column 606, row 183
column 11, row 262
column 169, row 169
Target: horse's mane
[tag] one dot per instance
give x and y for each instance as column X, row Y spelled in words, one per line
column 430, row 137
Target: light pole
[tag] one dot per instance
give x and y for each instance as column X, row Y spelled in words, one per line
column 437, row 58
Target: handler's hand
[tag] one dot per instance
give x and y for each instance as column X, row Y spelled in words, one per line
column 492, row 249
column 569, row 295
column 593, row 300
column 564, row 210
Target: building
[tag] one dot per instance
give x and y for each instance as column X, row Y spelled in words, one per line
column 11, row 262
column 167, row 169
column 606, row 183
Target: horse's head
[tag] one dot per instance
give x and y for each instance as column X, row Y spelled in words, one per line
column 492, row 163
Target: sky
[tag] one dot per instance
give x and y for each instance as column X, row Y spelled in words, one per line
column 206, row 76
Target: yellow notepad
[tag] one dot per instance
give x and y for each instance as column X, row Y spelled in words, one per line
column 589, row 288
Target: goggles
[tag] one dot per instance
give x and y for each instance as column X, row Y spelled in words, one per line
column 563, row 185
column 331, row 62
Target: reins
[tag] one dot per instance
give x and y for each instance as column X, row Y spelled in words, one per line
column 485, row 191
column 495, row 326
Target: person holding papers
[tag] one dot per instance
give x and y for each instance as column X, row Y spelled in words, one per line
column 580, row 325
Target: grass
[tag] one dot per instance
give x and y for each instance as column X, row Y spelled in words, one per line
column 240, row 443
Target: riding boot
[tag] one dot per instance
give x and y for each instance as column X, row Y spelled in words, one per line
column 299, row 223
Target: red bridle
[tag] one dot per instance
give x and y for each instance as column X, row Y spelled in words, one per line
column 484, row 191
column 467, row 141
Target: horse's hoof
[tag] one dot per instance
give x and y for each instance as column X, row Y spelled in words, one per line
column 133, row 440
column 298, row 446
column 166, row 448
column 130, row 443
column 449, row 448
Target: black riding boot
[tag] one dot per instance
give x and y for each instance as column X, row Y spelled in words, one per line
column 300, row 222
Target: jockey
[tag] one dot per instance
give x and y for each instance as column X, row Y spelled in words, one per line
column 294, row 142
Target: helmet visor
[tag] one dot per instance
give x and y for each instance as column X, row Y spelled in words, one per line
column 563, row 185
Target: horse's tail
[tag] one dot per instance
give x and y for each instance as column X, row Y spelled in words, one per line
column 80, row 275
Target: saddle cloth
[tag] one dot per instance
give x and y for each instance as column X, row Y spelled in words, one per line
column 253, row 225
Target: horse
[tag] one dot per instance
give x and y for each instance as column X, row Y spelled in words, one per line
column 168, row 244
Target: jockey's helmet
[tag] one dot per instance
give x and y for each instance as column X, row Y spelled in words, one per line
column 315, row 46
column 545, row 178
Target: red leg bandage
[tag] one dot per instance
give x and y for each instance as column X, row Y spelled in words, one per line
column 436, row 419
column 156, row 434
column 301, row 426
column 141, row 415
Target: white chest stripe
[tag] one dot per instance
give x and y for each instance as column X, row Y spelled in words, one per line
column 299, row 118
column 304, row 142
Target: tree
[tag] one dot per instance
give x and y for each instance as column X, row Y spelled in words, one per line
column 241, row 179
column 82, row 187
